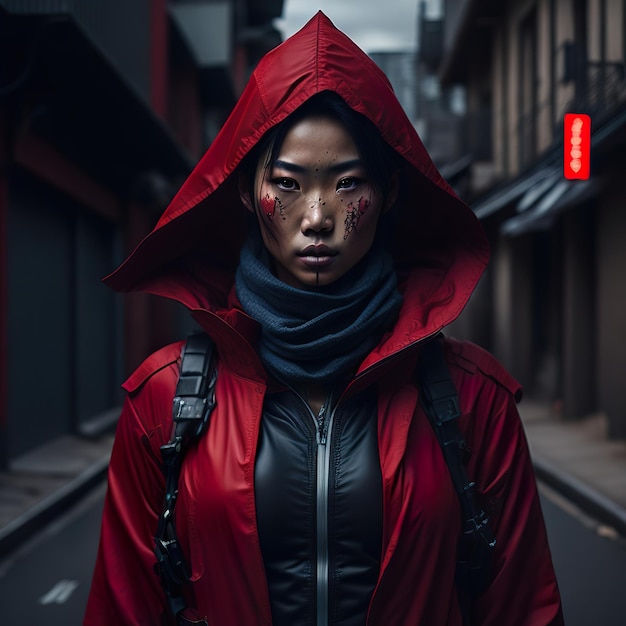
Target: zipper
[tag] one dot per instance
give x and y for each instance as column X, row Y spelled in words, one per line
column 323, row 435
column 323, row 424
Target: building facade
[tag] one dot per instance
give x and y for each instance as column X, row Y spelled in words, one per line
column 553, row 305
column 105, row 106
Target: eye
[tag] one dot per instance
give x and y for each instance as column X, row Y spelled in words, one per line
column 348, row 182
column 286, row 184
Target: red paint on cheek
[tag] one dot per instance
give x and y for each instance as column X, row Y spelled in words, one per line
column 353, row 215
column 268, row 206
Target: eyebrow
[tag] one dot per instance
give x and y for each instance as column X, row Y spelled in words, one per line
column 300, row 169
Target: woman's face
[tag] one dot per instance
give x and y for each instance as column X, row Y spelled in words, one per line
column 317, row 209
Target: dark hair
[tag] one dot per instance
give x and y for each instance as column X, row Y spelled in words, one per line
column 379, row 158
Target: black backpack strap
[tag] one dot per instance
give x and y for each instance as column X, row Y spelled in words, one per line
column 440, row 401
column 193, row 403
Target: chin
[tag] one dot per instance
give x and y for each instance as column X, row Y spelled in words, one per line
column 310, row 283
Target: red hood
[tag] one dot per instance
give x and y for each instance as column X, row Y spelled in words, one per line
column 192, row 252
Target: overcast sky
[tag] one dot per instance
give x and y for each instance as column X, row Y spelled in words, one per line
column 374, row 25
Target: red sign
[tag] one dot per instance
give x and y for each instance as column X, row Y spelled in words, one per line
column 576, row 146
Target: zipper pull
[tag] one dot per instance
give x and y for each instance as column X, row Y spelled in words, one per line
column 321, row 426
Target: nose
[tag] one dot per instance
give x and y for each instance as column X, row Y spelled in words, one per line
column 317, row 217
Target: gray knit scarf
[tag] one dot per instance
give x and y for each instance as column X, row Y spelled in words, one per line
column 321, row 334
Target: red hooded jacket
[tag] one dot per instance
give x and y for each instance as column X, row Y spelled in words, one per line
column 191, row 256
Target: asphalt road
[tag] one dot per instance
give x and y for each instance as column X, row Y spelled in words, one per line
column 47, row 580
column 590, row 563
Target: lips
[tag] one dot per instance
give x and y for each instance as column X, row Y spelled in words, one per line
column 317, row 256
column 317, row 250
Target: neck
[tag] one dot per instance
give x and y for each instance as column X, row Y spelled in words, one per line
column 312, row 336
column 316, row 394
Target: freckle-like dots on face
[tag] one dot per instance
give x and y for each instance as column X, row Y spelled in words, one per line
column 281, row 208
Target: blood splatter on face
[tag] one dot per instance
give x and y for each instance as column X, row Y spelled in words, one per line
column 353, row 215
column 268, row 206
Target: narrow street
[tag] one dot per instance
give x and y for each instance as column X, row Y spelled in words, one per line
column 47, row 580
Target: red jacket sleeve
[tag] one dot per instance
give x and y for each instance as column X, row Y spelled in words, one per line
column 125, row 589
column 524, row 590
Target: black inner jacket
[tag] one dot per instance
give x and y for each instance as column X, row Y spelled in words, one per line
column 289, row 494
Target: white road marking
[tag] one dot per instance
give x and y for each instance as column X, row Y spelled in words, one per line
column 60, row 593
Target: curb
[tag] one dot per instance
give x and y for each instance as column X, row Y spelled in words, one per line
column 22, row 528
column 588, row 498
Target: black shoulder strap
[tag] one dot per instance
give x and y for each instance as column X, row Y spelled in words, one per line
column 440, row 401
column 193, row 403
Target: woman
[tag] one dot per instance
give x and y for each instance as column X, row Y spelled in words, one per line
column 319, row 248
